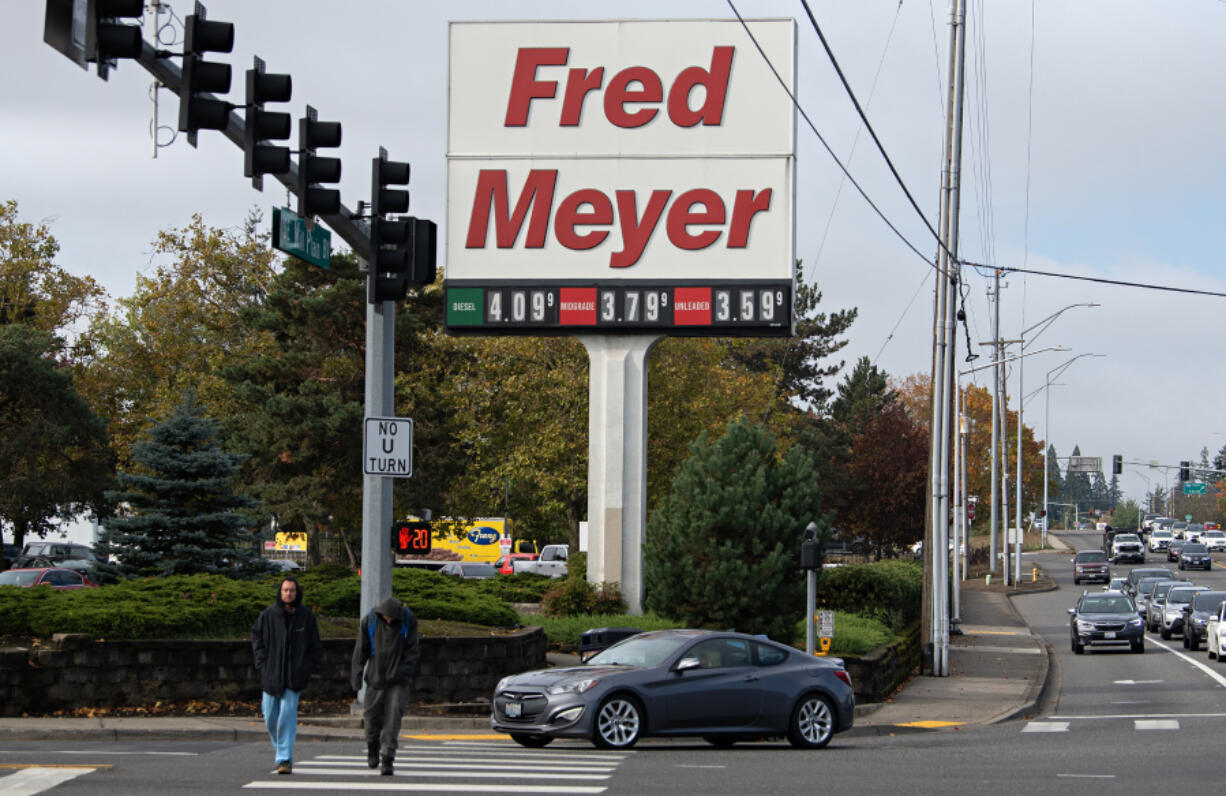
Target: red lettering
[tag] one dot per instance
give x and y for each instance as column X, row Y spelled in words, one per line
column 492, row 191
column 524, row 85
column 681, row 216
column 714, row 80
column 618, row 95
column 636, row 232
column 747, row 205
column 569, row 217
column 579, row 83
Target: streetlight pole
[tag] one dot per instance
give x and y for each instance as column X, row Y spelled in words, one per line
column 1018, row 475
column 1053, row 373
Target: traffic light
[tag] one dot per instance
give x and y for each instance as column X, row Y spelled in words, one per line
column 314, row 169
column 391, row 239
column 1185, row 471
column 423, row 268
column 200, row 77
column 411, row 538
column 1117, row 464
column 260, row 158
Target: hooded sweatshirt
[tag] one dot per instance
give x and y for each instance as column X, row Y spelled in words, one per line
column 391, row 649
column 286, row 646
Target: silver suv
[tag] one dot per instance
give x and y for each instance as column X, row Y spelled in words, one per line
column 1172, row 611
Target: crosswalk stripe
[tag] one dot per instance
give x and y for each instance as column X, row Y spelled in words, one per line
column 37, row 779
column 549, row 757
column 1156, row 724
column 466, row 766
column 426, row 771
column 423, row 787
column 1046, row 726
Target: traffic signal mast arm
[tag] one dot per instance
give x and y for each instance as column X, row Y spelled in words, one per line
column 343, row 223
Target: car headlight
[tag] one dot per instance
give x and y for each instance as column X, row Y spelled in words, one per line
column 573, row 686
column 1135, row 622
column 1084, row 626
column 502, row 684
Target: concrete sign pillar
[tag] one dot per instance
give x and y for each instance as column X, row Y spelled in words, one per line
column 617, row 461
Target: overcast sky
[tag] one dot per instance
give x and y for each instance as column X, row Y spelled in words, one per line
column 1097, row 152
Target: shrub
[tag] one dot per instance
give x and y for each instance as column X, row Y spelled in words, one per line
column 523, row 588
column 853, row 634
column 889, row 591
column 574, row 596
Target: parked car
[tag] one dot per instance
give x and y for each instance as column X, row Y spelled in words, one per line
column 551, row 562
column 1195, row 555
column 1105, row 618
column 56, row 554
column 1172, row 612
column 1158, row 540
column 506, row 564
column 55, row 577
column 469, row 570
column 1091, row 565
column 1215, row 540
column 1172, row 550
column 1155, row 600
column 1127, row 547
column 1215, row 634
column 1196, row 617
column 718, row 686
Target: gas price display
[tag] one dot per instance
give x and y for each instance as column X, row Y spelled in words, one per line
column 719, row 308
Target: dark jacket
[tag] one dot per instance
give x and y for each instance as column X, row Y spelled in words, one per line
column 391, row 649
column 286, row 646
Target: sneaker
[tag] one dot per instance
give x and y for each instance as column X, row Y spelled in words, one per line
column 387, row 767
column 284, row 767
column 372, row 755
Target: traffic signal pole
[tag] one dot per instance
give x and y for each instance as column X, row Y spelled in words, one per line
column 380, row 354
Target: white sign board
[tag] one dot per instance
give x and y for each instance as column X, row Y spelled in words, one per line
column 825, row 624
column 387, row 448
column 621, row 176
column 1085, row 464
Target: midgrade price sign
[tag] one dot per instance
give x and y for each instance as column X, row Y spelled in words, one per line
column 620, row 177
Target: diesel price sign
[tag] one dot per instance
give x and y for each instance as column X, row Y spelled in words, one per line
column 628, row 176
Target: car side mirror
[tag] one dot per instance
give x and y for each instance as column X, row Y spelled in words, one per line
column 1072, row 612
column 687, row 663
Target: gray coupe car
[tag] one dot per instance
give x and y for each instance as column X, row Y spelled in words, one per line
column 721, row 687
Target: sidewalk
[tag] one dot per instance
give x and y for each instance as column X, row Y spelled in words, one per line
column 998, row 670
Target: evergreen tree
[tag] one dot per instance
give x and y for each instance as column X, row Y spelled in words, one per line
column 178, row 512
column 1055, row 481
column 723, row 547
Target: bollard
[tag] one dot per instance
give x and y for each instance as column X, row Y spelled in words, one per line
column 988, row 579
column 1034, row 574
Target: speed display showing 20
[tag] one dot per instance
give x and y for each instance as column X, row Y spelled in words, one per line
column 715, row 308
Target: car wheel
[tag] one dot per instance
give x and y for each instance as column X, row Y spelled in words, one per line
column 1166, row 634
column 1138, row 646
column 1076, row 581
column 812, row 723
column 1193, row 643
column 531, row 740
column 722, row 741
column 619, row 722
column 1212, row 655
column 1078, row 647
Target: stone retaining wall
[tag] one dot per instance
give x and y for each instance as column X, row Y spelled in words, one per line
column 878, row 674
column 74, row 671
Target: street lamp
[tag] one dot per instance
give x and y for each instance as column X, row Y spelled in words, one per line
column 1017, row 563
column 1053, row 373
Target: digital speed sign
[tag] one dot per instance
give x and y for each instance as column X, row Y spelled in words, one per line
column 760, row 308
column 632, row 176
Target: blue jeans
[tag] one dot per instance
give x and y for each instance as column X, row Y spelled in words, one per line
column 281, row 718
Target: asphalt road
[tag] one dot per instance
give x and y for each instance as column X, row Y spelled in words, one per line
column 1115, row 722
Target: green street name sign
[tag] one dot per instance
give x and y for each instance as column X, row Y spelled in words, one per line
column 290, row 235
column 1194, row 489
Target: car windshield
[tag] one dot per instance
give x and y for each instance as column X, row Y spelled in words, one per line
column 1208, row 600
column 1161, row 534
column 1110, row 604
column 1126, row 537
column 1179, row 596
column 644, row 650
column 1091, row 556
column 1193, row 548
column 1215, row 534
column 18, row 577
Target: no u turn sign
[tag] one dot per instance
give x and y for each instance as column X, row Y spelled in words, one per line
column 388, row 447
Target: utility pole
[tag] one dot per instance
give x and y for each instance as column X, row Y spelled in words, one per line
column 995, row 455
column 936, row 563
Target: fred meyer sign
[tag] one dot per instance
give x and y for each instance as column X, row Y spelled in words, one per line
column 630, row 176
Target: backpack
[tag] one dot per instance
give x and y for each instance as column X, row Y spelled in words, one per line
column 370, row 627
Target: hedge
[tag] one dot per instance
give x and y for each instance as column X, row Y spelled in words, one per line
column 890, row 591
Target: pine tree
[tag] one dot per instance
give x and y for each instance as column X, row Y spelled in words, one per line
column 723, row 547
column 178, row 512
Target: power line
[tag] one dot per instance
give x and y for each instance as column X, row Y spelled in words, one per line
column 1100, row 280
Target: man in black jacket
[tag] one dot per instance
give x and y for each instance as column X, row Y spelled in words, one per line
column 387, row 648
column 286, row 646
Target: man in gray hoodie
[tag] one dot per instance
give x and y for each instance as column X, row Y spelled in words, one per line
column 387, row 649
